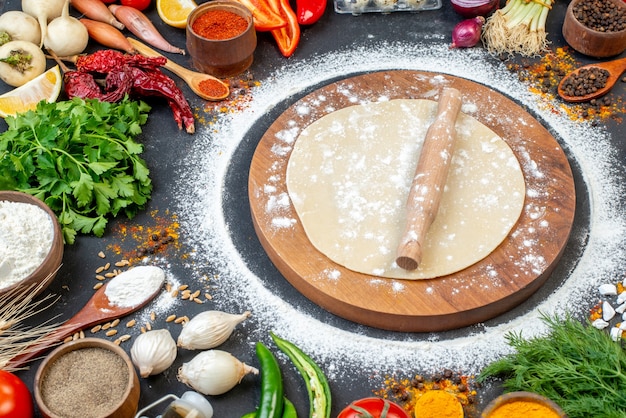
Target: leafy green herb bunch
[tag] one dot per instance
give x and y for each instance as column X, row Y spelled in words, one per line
column 80, row 157
column 574, row 364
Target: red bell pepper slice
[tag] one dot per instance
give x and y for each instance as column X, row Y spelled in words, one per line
column 310, row 11
column 265, row 18
column 288, row 37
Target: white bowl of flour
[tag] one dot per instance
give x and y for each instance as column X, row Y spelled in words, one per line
column 31, row 243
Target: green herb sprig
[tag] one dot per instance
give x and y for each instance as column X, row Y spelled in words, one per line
column 576, row 365
column 80, row 157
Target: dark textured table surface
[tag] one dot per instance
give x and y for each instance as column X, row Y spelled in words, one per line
column 172, row 156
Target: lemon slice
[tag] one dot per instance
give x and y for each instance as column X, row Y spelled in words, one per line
column 175, row 12
column 46, row 86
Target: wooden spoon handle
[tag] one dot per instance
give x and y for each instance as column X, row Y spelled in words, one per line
column 430, row 179
column 179, row 70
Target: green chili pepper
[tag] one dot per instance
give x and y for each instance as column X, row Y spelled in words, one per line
column 289, row 409
column 314, row 378
column 272, row 399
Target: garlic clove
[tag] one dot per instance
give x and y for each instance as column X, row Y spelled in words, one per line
column 153, row 352
column 214, row 372
column 209, row 329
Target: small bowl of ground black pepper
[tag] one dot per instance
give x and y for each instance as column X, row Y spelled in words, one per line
column 221, row 38
column 87, row 378
column 596, row 28
column 31, row 245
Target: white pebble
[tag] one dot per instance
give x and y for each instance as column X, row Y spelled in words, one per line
column 607, row 311
column 621, row 298
column 622, row 326
column 621, row 308
column 616, row 333
column 607, row 289
column 600, row 323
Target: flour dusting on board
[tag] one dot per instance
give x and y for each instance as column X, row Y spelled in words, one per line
column 201, row 198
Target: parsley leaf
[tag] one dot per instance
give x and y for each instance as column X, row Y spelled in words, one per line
column 81, row 158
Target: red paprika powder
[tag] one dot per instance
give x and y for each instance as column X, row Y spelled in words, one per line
column 212, row 88
column 219, row 24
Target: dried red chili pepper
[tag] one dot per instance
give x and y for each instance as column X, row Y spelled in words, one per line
column 287, row 38
column 136, row 75
column 265, row 19
column 310, row 11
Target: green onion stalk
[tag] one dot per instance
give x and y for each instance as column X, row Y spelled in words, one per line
column 518, row 28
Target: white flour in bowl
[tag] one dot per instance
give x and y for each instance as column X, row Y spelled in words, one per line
column 26, row 235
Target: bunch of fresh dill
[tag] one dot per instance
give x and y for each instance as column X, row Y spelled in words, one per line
column 576, row 365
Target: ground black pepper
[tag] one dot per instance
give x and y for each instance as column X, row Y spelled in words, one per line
column 85, row 383
column 601, row 15
column 586, row 81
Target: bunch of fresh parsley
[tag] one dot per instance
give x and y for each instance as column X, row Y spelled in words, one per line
column 576, row 365
column 80, row 157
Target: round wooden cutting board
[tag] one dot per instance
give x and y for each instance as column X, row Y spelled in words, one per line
column 492, row 286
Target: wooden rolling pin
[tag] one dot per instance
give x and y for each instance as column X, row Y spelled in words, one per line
column 430, row 179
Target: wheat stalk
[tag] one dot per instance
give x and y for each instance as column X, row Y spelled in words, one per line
column 16, row 306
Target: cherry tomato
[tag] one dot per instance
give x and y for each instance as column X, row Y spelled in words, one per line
column 373, row 408
column 137, row 4
column 15, row 398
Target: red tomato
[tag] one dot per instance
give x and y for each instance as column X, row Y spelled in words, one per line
column 15, row 399
column 373, row 408
column 137, row 4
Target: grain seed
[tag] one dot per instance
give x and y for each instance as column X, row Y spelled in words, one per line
column 106, row 326
column 181, row 319
column 207, row 296
column 99, row 269
column 100, row 277
column 96, row 329
column 168, row 287
column 122, row 263
column 68, row 339
column 98, row 285
column 195, row 294
column 109, row 275
column 121, row 339
column 183, row 287
column 107, row 266
column 152, row 316
column 101, row 254
column 131, row 323
column 170, row 318
column 198, row 300
column 148, row 326
column 115, row 323
column 175, row 293
column 111, row 332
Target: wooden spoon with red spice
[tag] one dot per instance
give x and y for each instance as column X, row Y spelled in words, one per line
column 213, row 89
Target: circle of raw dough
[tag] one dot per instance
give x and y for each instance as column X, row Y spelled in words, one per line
column 349, row 176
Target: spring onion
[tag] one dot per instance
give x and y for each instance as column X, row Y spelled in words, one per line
column 519, row 27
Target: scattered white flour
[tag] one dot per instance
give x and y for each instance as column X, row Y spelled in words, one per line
column 201, row 197
column 134, row 286
column 26, row 236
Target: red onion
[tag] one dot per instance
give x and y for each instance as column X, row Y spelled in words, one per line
column 467, row 33
column 473, row 8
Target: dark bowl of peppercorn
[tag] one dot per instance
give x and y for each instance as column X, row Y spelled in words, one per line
column 596, row 28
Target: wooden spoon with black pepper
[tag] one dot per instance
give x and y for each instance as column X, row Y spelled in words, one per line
column 614, row 68
column 216, row 89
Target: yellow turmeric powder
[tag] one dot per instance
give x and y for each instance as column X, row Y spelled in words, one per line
column 523, row 409
column 438, row 404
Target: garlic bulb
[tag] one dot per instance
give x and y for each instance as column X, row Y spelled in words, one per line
column 153, row 352
column 214, row 372
column 209, row 329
